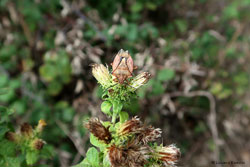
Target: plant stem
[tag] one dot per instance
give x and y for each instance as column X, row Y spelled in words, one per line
column 114, row 117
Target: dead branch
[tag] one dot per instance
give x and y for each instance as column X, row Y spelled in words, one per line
column 211, row 118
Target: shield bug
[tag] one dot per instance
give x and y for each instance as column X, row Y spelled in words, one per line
column 122, row 66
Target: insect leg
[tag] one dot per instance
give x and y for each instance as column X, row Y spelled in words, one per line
column 110, row 87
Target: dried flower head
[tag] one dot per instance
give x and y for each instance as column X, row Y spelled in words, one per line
column 98, row 130
column 116, row 156
column 131, row 155
column 41, row 125
column 11, row 136
column 102, row 75
column 136, row 153
column 149, row 134
column 169, row 155
column 135, row 158
column 139, row 80
column 26, row 129
column 130, row 127
column 38, row 144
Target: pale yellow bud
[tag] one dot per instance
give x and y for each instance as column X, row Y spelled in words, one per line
column 102, row 75
column 41, row 125
column 139, row 80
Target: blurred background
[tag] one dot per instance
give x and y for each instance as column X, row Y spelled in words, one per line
column 197, row 52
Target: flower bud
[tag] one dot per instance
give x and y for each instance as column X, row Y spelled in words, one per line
column 11, row 136
column 101, row 73
column 26, row 129
column 98, row 130
column 41, row 125
column 168, row 155
column 139, row 80
column 38, row 144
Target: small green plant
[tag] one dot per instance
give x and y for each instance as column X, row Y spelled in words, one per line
column 56, row 71
column 22, row 148
column 128, row 142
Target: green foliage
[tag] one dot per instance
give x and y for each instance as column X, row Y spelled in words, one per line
column 31, row 157
column 7, row 148
column 91, row 160
column 95, row 142
column 106, row 107
column 123, row 116
column 36, row 79
column 157, row 84
column 64, row 111
column 205, row 47
column 200, row 128
column 181, row 25
column 106, row 162
column 92, row 157
column 165, row 75
column 15, row 149
column 55, row 71
column 117, row 107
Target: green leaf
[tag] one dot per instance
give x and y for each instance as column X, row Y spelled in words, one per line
column 3, row 3
column 12, row 162
column 117, row 107
column 157, row 88
column 165, row 75
column 84, row 163
column 3, row 81
column 181, row 25
column 106, row 162
column 3, row 90
column 151, row 5
column 6, row 52
column 219, row 91
column 3, row 130
column 123, row 116
column 4, row 114
column 133, row 32
column 31, row 157
column 200, row 128
column 92, row 157
column 216, row 88
column 19, row 106
column 54, row 87
column 94, row 141
column 7, row 148
column 106, row 107
column 48, row 72
column 136, row 7
column 47, row 152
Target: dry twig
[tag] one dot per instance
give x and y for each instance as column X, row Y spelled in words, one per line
column 212, row 115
